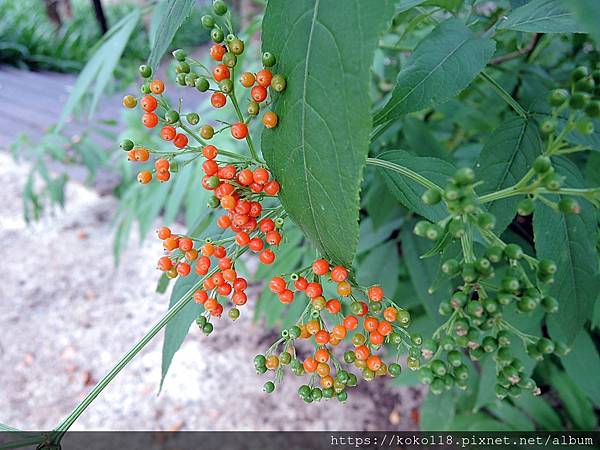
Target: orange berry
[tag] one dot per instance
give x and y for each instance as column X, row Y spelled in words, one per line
column 210, row 304
column 207, row 249
column 323, row 369
column 350, row 323
column 375, row 293
column 260, row 175
column 217, row 51
column 171, row 243
column 203, row 265
column 339, row 274
column 163, row 233
column 322, row 337
column 157, row 87
column 210, row 152
column 320, row 267
column 258, row 93
column 384, row 328
column 322, row 355
column 200, row 297
column 150, row 120
column 141, row 154
column 148, row 103
column 239, row 298
column 390, row 313
column 239, row 130
column 256, row 244
column 338, row 332
column 144, row 177
column 220, row 73
column 191, row 255
column 333, row 306
column 247, row 79
column 270, row 119
column 362, row 352
column 168, row 133
column 273, row 238
column 374, row 363
column 164, row 263
column 313, row 326
column 181, row 140
column 310, row 365
column 327, row 382
column 185, row 244
column 263, row 78
column 163, row 175
column 162, row 164
column 344, row 289
column 272, row 362
column 286, row 296
column 370, row 324
column 266, row 256
column 376, row 338
column 313, row 290
column 272, row 188
column 183, row 269
column 218, row 99
column 217, row 311
column 277, row 285
column 230, row 275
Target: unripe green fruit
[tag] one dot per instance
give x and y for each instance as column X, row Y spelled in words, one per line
column 145, row 88
column 226, row 86
column 474, row 309
column 476, row 354
column 126, row 144
column 236, row 46
column 145, row 71
column 579, row 73
column 278, row 83
column 219, row 7
column 542, row 164
column 192, row 118
column 431, row 196
column 593, row 109
column 316, row 394
column 202, row 84
column 585, row 126
column 461, row 372
column 233, row 313
column 394, row 370
column 464, row 176
column 421, row 228
column 171, row 116
column 434, row 232
column 549, row 304
column 190, row 79
column 526, row 304
column 469, row 274
column 579, row 100
column 438, row 367
column 561, row 349
column 253, row 108
column 525, row 207
column 180, row 79
column 501, row 392
column 558, row 97
column 201, row 321
column 213, row 202
column 545, row 346
column 294, row 332
column 548, row 126
column 513, row 251
column 490, row 305
column 510, row 284
column 457, row 228
column 454, row 358
column 268, row 59
column 207, row 329
column 451, row 267
column 179, row 54
column 483, row 266
column 328, row 393
column 208, row 21
column 553, row 182
column 489, row 344
column 437, row 386
column 569, row 206
column 444, row 309
column 585, row 85
column 217, row 35
column 547, row 266
column 269, row 387
column 503, row 338
column 304, row 391
column 229, row 59
column 494, row 253
column 342, row 396
column 486, row 221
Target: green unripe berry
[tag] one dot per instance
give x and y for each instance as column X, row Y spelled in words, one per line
column 548, row 126
column 219, row 7
column 579, row 100
column 328, row 393
column 503, row 338
column 593, row 109
column 514, row 391
column 553, row 182
column 269, row 387
column 542, row 164
column 229, row 59
column 213, row 202
column 268, row 59
column 448, row 381
column 126, row 144
column 431, row 196
column 208, row 21
column 182, row 67
column 486, row 221
column 368, row 374
column 561, row 349
column 469, row 274
column 476, row 353
column 213, row 181
column 226, row 86
column 525, row 207
column 342, row 396
column 461, row 327
column 352, row 380
column 233, row 313
column 179, row 54
column 501, row 392
column 230, row 37
column 253, row 108
column 421, row 228
column 207, row 328
column 145, row 71
column 483, row 266
column 549, row 304
column 236, row 46
column 192, row 118
column 217, row 35
column 180, row 79
column 395, row 338
column 579, row 73
column 464, row 176
column 489, row 344
column 201, row 321
column 294, row 332
column 437, row 386
column 145, row 88
column 545, row 346
column 202, row 84
column 412, row 363
column 494, row 253
column 534, row 353
column 171, row 116
column 569, row 206
column 425, row 375
column 513, row 251
column 285, row 358
column 438, row 367
column 304, row 391
column 585, row 126
column 547, row 266
column 585, row 85
column 454, row 358
column 434, row 232
column 457, row 228
column 260, row 360
column 278, row 83
column 403, row 318
column 316, row 394
column 451, row 193
column 490, row 305
column 526, row 304
column 451, row 267
column 474, row 309
column 461, row 372
column 349, row 357
column 558, row 97
column 190, row 79
column 444, row 309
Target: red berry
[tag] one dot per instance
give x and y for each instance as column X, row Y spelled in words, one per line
column 164, row 263
column 350, row 322
column 277, row 285
column 261, row 176
column 256, row 244
column 217, row 51
column 273, row 238
column 263, row 77
column 163, row 233
column 240, row 284
column 220, row 72
column 185, row 244
column 313, row 290
column 200, row 297
column 168, row 133
column 320, row 267
column 210, row 152
column 239, row 130
column 339, row 273
column 286, row 296
column 267, row 256
column 334, row 306
column 300, row 284
column 242, row 238
column 375, row 293
column 272, row 188
column 150, row 120
column 148, row 103
column 183, row 269
column 218, row 99
column 258, row 93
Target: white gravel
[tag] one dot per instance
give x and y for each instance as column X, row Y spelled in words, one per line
column 67, row 314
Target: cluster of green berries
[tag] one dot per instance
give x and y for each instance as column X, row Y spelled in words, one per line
column 497, row 279
column 582, row 96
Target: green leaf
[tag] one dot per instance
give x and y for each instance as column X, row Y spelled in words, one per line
column 370, row 238
column 181, row 187
column 569, row 240
column 380, row 266
column 580, row 362
column 168, row 17
column 421, row 140
column 424, row 273
column 405, row 5
column 511, row 416
column 318, row 150
column 540, row 411
column 437, row 411
column 163, row 284
column 586, row 12
column 477, row 422
column 178, row 328
column 407, row 191
column 442, row 65
column 504, row 160
column 576, row 404
column 99, row 68
column 542, row 16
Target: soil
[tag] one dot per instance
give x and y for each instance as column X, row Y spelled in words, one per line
column 67, row 314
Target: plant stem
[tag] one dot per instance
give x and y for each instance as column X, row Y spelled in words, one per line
column 404, row 171
column 226, row 153
column 68, row 421
column 505, row 95
column 240, row 116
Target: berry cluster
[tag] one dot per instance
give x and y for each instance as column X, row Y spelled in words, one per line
column 476, row 326
column 364, row 316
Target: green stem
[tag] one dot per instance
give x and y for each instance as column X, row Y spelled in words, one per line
column 404, row 171
column 68, row 421
column 505, row 95
column 202, row 142
column 240, row 116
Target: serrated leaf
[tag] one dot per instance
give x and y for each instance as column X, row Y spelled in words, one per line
column 580, row 362
column 407, row 191
column 569, row 240
column 442, row 65
column 179, row 326
column 168, row 17
column 506, row 157
column 586, row 12
column 318, row 150
column 542, row 16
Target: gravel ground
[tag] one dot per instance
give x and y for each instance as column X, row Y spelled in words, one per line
column 67, row 314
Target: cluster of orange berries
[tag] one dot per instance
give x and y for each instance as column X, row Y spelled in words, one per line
column 364, row 315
